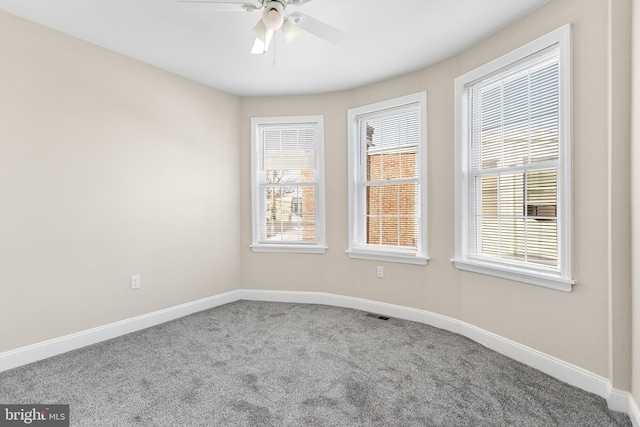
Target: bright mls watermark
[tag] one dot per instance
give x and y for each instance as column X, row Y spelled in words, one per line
column 34, row 415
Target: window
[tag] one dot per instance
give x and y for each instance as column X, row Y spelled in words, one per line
column 288, row 184
column 513, row 165
column 387, row 193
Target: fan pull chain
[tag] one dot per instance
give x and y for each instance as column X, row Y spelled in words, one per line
column 274, row 50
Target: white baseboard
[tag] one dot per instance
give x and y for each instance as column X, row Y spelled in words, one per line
column 295, row 297
column 617, row 400
column 550, row 365
column 391, row 310
column 32, row 353
column 573, row 375
column 634, row 412
column 622, row 401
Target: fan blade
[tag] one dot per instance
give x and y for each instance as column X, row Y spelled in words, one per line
column 259, row 47
column 297, row 2
column 289, row 31
column 220, row 6
column 317, row 28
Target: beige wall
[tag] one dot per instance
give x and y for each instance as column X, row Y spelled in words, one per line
column 108, row 168
column 635, row 199
column 620, row 191
column 576, row 327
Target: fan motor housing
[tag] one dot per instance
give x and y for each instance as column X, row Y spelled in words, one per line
column 273, row 15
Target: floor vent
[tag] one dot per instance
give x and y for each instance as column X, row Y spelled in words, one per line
column 378, row 316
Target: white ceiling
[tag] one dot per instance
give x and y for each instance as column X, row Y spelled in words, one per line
column 383, row 38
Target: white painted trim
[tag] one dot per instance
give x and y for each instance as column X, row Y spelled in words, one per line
column 573, row 375
column 616, row 399
column 550, row 365
column 284, row 248
column 294, row 297
column 634, row 412
column 622, row 401
column 389, row 256
column 507, row 271
column 32, row 353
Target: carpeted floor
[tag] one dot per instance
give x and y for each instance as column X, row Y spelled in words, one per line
column 276, row 364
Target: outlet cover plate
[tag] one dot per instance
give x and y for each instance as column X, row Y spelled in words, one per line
column 135, row 282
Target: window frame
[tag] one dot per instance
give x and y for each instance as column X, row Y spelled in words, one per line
column 257, row 245
column 357, row 249
column 561, row 278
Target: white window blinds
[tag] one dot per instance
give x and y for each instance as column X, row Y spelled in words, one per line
column 513, row 165
column 289, row 148
column 513, row 160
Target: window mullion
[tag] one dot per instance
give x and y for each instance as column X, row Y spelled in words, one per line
column 398, row 216
column 525, row 198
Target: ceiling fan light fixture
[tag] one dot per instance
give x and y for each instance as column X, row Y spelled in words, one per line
column 289, row 31
column 273, row 15
column 263, row 38
column 260, row 30
column 273, row 18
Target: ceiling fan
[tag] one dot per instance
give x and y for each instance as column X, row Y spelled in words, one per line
column 274, row 17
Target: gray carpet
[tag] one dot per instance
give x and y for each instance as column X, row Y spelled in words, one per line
column 276, row 364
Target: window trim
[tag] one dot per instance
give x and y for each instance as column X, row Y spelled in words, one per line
column 562, row 280
column 318, row 247
column 382, row 253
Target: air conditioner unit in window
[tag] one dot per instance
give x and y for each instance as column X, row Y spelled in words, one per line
column 542, row 212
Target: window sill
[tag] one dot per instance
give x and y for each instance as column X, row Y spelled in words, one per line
column 300, row 249
column 389, row 256
column 545, row 280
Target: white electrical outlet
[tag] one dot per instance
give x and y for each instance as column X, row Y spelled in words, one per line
column 379, row 272
column 135, row 282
